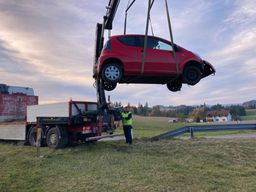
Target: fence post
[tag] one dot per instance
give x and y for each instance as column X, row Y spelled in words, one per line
column 191, row 130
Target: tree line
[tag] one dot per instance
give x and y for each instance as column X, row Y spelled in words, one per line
column 182, row 112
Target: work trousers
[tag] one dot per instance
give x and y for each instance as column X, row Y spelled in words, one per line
column 128, row 133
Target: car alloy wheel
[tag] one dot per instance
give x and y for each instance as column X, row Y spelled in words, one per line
column 112, row 72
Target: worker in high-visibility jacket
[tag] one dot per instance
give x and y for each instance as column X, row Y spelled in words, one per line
column 127, row 124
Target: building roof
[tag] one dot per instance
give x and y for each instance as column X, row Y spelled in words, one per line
column 218, row 113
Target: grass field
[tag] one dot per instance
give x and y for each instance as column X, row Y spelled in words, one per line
column 250, row 115
column 167, row 165
column 152, row 126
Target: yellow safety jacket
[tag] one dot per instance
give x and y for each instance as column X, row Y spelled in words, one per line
column 126, row 121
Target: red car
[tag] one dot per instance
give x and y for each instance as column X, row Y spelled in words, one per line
column 121, row 61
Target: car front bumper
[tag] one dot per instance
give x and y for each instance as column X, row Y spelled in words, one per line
column 208, row 69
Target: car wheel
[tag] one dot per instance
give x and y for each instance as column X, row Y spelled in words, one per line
column 109, row 86
column 112, row 72
column 174, row 86
column 57, row 137
column 191, row 75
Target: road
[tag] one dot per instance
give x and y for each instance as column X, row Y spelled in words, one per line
column 234, row 136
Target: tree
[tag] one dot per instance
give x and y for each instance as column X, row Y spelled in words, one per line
column 237, row 110
column 181, row 117
column 155, row 111
column 198, row 114
column 140, row 109
column 217, row 107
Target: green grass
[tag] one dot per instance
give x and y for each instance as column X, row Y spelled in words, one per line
column 250, row 115
column 168, row 165
column 153, row 126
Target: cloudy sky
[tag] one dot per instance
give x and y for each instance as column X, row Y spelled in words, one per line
column 48, row 45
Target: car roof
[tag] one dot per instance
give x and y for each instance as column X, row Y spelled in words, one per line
column 128, row 35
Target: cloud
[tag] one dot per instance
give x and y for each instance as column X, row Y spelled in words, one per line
column 44, row 42
column 49, row 45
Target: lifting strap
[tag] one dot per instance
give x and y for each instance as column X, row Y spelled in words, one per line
column 148, row 22
column 151, row 26
column 126, row 12
column 171, row 37
column 150, row 4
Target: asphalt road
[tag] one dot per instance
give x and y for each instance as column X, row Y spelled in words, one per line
column 235, row 136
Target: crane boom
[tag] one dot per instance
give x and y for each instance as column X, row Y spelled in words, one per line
column 107, row 115
column 111, row 12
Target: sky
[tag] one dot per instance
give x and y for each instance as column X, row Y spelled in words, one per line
column 49, row 46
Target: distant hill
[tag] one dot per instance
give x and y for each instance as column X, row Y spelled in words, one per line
column 249, row 104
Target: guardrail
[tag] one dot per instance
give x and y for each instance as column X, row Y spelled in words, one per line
column 204, row 128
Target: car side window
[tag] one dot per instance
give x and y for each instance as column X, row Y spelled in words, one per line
column 155, row 43
column 128, row 40
column 164, row 46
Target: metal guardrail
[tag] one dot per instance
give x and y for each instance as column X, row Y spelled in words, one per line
column 204, row 128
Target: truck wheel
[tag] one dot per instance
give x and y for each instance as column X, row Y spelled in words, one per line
column 32, row 136
column 57, row 137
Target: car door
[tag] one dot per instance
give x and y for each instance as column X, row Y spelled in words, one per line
column 159, row 57
column 129, row 53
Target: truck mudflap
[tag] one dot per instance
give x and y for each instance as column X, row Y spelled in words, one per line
column 208, row 69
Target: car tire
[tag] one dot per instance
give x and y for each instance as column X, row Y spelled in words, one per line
column 57, row 137
column 112, row 72
column 191, row 75
column 174, row 86
column 108, row 86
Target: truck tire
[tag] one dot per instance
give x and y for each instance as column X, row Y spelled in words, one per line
column 57, row 137
column 32, row 136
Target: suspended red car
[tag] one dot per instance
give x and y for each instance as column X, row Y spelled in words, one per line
column 121, row 61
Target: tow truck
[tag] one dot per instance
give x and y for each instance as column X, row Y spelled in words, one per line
column 56, row 125
column 59, row 124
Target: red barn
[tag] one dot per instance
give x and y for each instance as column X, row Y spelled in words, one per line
column 13, row 106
